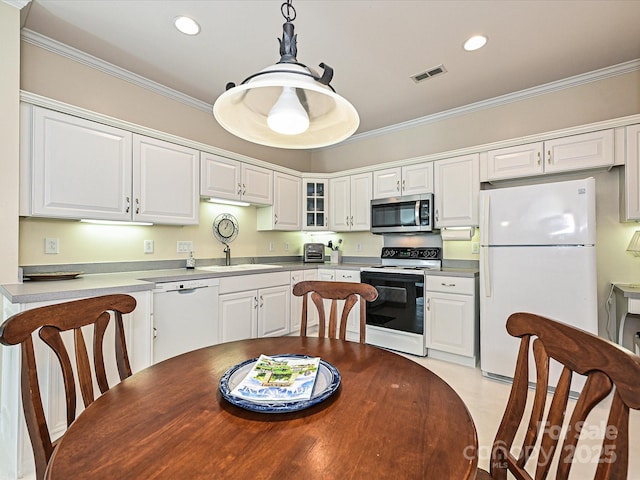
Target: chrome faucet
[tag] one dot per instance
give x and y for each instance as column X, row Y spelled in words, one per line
column 227, row 251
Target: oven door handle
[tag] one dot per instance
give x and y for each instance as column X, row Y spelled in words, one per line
column 370, row 277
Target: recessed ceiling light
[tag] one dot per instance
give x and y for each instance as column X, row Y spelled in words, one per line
column 475, row 42
column 187, row 25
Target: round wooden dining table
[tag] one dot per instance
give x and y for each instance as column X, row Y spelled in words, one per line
column 390, row 418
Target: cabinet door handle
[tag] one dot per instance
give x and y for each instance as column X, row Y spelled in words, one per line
column 261, row 301
column 397, row 185
column 403, row 186
column 276, row 218
column 347, row 220
column 255, row 300
column 428, row 304
column 437, row 215
column 155, row 332
column 539, row 158
column 448, row 284
column 352, row 220
column 244, row 189
column 549, row 157
column 137, row 206
column 239, row 189
column 128, row 205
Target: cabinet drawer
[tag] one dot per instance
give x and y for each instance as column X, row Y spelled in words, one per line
column 459, row 285
column 242, row 283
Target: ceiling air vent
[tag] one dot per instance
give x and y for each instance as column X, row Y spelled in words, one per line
column 431, row 72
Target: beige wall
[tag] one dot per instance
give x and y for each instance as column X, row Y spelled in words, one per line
column 605, row 99
column 9, row 136
column 53, row 76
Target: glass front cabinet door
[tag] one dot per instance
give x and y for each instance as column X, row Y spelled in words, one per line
column 315, row 204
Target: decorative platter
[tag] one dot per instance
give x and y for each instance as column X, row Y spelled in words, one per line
column 327, row 382
column 34, row 277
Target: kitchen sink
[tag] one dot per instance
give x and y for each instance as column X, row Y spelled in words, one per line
column 241, row 266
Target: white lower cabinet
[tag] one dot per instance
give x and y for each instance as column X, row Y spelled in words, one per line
column 16, row 453
column 251, row 306
column 296, row 303
column 452, row 319
column 343, row 275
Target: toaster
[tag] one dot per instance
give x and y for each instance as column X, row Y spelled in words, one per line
column 313, row 252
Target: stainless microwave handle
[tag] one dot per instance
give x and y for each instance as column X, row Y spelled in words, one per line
column 417, row 213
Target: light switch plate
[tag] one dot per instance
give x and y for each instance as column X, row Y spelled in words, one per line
column 184, row 246
column 148, row 246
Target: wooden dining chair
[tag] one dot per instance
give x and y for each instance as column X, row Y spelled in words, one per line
column 607, row 367
column 334, row 291
column 50, row 322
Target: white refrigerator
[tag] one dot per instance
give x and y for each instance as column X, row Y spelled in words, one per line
column 538, row 255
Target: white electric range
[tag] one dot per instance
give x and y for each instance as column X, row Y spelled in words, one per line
column 396, row 319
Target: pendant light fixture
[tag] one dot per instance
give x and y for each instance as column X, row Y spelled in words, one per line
column 287, row 105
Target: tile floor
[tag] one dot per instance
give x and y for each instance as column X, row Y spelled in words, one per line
column 486, row 399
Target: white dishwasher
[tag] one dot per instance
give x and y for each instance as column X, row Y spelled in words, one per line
column 185, row 317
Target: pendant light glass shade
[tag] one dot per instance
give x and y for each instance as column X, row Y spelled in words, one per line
column 244, row 110
column 287, row 105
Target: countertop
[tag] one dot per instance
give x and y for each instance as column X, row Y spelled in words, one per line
column 629, row 290
column 107, row 283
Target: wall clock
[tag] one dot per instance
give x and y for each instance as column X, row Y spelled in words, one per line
column 225, row 228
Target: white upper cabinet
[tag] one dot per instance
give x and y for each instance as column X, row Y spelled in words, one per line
column 76, row 168
column 350, row 205
column 229, row 179
column 456, row 190
column 576, row 152
column 409, row 180
column 631, row 199
column 165, row 182
column 286, row 212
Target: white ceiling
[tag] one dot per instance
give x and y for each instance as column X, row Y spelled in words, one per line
column 373, row 46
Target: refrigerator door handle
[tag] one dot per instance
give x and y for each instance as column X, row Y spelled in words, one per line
column 485, row 246
column 485, row 225
column 487, row 274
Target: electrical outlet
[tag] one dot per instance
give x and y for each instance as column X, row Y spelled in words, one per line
column 271, row 246
column 358, row 247
column 475, row 247
column 148, row 246
column 51, row 245
column 184, row 246
column 286, row 246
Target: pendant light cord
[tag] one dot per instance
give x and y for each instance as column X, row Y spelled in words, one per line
column 289, row 9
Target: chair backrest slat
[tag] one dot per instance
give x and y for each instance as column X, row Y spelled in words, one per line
column 334, row 291
column 606, row 366
column 50, row 322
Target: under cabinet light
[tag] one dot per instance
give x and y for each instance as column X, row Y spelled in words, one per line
column 114, row 222
column 229, row 202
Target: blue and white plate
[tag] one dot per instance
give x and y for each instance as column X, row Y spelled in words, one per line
column 327, row 382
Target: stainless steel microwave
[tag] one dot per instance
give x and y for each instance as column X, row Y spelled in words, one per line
column 409, row 214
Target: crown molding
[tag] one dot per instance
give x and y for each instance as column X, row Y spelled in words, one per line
column 594, row 76
column 34, row 38
column 64, row 50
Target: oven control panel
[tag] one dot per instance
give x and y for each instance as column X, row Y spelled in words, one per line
column 408, row 253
